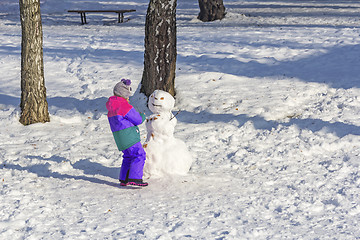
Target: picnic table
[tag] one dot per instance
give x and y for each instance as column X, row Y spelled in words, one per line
column 119, row 12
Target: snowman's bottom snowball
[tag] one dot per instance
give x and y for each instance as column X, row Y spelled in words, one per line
column 166, row 157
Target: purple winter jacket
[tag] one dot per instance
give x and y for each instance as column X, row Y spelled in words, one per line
column 124, row 119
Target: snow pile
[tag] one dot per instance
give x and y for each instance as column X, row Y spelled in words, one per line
column 270, row 107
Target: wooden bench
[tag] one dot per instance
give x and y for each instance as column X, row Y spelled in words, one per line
column 119, row 12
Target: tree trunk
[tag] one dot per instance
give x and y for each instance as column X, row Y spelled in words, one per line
column 160, row 47
column 211, row 10
column 34, row 107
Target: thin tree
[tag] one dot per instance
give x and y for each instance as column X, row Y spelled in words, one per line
column 34, row 107
column 160, row 47
column 211, row 10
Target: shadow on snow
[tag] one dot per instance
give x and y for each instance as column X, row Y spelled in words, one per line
column 90, row 170
column 338, row 67
column 314, row 125
column 68, row 103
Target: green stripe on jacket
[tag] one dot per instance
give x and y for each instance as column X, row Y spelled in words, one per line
column 127, row 137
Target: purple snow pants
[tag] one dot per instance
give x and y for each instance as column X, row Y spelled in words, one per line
column 133, row 163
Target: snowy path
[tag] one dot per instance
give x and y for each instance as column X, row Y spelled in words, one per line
column 270, row 107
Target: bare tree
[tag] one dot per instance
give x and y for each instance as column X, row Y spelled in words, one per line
column 34, row 107
column 160, row 47
column 211, row 10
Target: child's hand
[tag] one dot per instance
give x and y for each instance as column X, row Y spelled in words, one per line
column 143, row 116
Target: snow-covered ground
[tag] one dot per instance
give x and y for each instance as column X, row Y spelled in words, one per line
column 270, row 111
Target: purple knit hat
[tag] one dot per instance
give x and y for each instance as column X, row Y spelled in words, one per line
column 123, row 88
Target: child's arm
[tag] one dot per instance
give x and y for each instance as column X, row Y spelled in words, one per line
column 135, row 117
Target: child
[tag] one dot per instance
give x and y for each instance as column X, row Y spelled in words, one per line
column 123, row 119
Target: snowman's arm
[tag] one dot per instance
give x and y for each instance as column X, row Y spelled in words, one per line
column 174, row 121
column 135, row 117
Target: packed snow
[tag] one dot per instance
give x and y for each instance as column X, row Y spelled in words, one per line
column 269, row 102
column 165, row 153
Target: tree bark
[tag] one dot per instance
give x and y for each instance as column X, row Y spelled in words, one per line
column 160, row 47
column 211, row 10
column 34, row 107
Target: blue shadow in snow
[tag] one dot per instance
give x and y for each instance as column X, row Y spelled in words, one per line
column 338, row 67
column 89, row 168
column 314, row 125
column 9, row 50
column 96, row 54
column 43, row 170
column 9, row 100
column 82, row 106
column 97, row 106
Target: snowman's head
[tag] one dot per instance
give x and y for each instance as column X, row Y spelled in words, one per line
column 161, row 101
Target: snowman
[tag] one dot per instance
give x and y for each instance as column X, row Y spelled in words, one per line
column 165, row 154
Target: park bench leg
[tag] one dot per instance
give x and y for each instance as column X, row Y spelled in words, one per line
column 83, row 18
column 121, row 18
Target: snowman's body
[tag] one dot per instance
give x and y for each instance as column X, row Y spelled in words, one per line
column 165, row 154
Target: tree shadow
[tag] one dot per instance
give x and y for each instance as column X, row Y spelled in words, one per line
column 10, row 50
column 274, row 9
column 43, row 170
column 8, row 101
column 337, row 67
column 89, row 168
column 96, row 106
column 297, row 10
column 314, row 125
column 95, row 54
